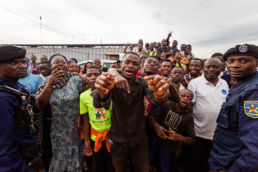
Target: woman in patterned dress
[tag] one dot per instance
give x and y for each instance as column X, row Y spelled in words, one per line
column 62, row 93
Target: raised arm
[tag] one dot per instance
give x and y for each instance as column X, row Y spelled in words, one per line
column 125, row 48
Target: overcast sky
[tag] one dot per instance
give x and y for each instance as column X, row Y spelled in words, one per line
column 209, row 25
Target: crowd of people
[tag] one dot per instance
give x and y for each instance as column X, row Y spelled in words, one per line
column 158, row 109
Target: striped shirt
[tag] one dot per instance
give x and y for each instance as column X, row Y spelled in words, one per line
column 152, row 53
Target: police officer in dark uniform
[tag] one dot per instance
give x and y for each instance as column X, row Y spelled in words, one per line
column 12, row 67
column 235, row 142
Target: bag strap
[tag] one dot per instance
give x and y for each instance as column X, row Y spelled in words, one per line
column 11, row 90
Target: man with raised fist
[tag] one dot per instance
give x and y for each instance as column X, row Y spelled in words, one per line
column 127, row 136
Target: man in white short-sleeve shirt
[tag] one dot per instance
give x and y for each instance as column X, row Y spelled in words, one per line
column 210, row 92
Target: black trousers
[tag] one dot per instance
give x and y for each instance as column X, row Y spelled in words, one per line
column 101, row 160
column 125, row 158
column 196, row 158
column 46, row 145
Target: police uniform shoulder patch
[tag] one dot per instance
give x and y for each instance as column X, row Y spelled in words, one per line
column 251, row 108
column 243, row 49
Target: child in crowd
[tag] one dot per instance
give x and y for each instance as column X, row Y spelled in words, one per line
column 96, row 123
column 177, row 76
column 72, row 67
column 173, row 125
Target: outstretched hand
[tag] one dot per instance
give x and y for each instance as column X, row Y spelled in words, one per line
column 157, row 84
column 105, row 83
column 122, row 83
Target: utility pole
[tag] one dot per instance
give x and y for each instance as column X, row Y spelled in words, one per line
column 40, row 24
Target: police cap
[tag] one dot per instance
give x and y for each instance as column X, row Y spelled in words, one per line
column 242, row 50
column 9, row 53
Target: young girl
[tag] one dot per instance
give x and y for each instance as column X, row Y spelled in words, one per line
column 173, row 125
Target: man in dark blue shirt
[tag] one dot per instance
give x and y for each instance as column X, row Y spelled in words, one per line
column 174, row 47
column 12, row 67
column 235, row 141
column 164, row 48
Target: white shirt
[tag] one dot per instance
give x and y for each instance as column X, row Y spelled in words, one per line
column 181, row 87
column 135, row 50
column 208, row 99
column 121, row 56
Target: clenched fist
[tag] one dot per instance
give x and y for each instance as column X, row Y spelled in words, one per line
column 105, row 83
column 157, row 84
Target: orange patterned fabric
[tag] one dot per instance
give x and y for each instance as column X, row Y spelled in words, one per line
column 100, row 138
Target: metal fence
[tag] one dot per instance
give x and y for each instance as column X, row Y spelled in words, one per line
column 79, row 51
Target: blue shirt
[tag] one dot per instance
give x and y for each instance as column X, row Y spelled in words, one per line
column 247, row 110
column 31, row 82
column 163, row 49
column 10, row 160
column 226, row 77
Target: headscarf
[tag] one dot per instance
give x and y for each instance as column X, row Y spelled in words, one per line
column 54, row 56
